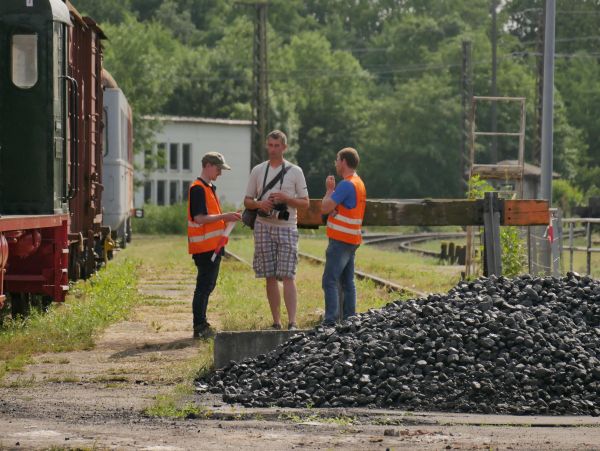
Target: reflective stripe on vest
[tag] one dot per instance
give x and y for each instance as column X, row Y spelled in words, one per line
column 345, row 224
column 204, row 237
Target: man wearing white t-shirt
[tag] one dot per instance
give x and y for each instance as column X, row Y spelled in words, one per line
column 275, row 230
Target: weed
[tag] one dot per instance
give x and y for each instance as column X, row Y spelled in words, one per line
column 91, row 306
column 177, row 405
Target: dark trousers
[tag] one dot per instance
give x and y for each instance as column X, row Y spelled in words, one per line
column 205, row 284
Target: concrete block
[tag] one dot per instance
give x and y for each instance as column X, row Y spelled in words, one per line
column 237, row 346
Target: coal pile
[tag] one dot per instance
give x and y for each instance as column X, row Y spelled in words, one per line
column 495, row 345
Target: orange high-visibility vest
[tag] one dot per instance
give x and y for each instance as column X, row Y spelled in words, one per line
column 345, row 224
column 204, row 237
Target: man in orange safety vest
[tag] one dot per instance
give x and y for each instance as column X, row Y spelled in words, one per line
column 206, row 224
column 345, row 205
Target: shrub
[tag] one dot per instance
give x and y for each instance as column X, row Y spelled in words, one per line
column 566, row 196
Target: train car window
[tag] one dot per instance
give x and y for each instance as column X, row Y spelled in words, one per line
column 174, row 157
column 124, row 136
column 24, row 60
column 186, row 163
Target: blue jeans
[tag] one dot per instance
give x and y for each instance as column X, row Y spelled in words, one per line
column 339, row 270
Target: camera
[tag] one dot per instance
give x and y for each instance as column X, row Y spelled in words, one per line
column 282, row 211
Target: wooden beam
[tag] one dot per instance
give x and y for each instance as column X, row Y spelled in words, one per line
column 435, row 212
column 526, row 212
column 495, row 171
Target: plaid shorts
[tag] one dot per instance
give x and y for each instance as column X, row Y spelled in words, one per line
column 275, row 251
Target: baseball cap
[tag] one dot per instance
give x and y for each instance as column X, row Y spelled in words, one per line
column 215, row 158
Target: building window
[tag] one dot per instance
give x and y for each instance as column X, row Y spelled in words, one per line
column 148, row 159
column 160, row 192
column 24, row 60
column 161, row 156
column 148, row 192
column 173, row 157
column 185, row 189
column 186, row 159
column 173, row 197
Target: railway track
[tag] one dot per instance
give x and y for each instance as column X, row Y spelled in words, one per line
column 406, row 241
column 387, row 284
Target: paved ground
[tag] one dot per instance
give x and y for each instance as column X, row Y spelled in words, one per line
column 94, row 399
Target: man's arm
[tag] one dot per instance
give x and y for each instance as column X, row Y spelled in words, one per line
column 199, row 211
column 251, row 204
column 328, row 204
column 208, row 219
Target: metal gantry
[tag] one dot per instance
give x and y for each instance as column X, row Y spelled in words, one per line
column 495, row 171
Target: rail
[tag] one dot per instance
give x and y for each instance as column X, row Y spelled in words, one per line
column 387, row 284
column 588, row 249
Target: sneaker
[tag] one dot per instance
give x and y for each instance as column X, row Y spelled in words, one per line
column 292, row 326
column 275, row 326
column 327, row 324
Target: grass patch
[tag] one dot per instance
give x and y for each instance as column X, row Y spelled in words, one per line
column 341, row 420
column 408, row 270
column 91, row 305
column 179, row 402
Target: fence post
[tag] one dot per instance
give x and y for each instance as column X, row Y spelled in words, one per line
column 556, row 245
column 589, row 248
column 571, row 233
column 491, row 223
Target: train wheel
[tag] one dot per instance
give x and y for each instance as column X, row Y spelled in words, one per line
column 123, row 238
column 41, row 303
column 128, row 231
column 20, row 305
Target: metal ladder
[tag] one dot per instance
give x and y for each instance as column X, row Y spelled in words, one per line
column 507, row 172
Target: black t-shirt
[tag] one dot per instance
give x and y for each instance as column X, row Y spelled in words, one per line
column 198, row 199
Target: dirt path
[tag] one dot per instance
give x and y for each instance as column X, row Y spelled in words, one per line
column 94, row 399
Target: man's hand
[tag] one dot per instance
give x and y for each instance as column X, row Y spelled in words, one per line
column 330, row 183
column 279, row 198
column 232, row 217
column 265, row 205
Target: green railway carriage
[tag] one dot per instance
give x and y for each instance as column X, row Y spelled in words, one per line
column 33, row 107
column 51, row 156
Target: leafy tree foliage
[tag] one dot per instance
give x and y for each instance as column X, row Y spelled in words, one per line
column 379, row 75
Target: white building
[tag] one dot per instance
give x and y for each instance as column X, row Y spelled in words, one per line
column 176, row 159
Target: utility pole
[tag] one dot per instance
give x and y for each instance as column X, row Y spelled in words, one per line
column 260, row 98
column 548, row 118
column 466, row 94
column 536, row 156
column 548, row 102
column 494, row 150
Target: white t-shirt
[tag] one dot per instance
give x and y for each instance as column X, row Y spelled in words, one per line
column 293, row 184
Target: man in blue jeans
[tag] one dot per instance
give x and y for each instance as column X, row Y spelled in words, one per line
column 345, row 205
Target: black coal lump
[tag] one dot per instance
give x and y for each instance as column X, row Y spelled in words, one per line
column 527, row 345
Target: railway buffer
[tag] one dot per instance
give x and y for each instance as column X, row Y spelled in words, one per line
column 490, row 212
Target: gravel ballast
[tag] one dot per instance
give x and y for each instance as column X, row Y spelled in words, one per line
column 526, row 345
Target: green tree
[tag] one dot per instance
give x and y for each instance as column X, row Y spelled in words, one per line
column 412, row 141
column 328, row 89
column 113, row 11
column 144, row 59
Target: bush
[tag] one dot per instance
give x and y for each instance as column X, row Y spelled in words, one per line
column 566, row 196
column 172, row 220
column 162, row 220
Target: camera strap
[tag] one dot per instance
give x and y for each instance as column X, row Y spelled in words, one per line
column 272, row 183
